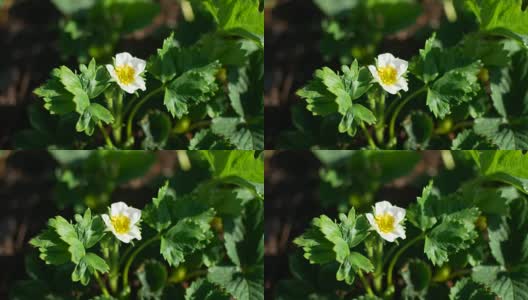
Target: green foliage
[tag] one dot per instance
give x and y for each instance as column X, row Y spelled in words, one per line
column 464, row 233
column 211, row 81
column 202, row 236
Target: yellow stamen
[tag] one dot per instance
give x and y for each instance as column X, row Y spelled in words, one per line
column 388, row 75
column 121, row 223
column 385, row 222
column 125, row 74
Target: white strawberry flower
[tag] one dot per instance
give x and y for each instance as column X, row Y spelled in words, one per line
column 389, row 72
column 126, row 71
column 123, row 221
column 387, row 221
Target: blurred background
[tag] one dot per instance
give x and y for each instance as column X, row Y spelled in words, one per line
column 301, row 185
column 38, row 185
column 39, row 35
column 304, row 35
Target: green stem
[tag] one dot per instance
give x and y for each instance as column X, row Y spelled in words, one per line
column 378, row 273
column 101, row 284
column 370, row 140
column 366, row 284
column 137, row 107
column 399, row 108
column 200, row 124
column 106, row 136
column 118, row 112
column 398, row 254
column 380, row 126
column 133, row 256
column 114, row 269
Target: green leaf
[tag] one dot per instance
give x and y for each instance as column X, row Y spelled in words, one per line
column 241, row 18
column 456, row 232
column 157, row 126
column 184, row 238
column 206, row 139
column 68, row 7
column 91, row 116
column 419, row 128
column 89, row 229
column 417, row 276
column 202, row 289
column 94, row 79
column 502, row 17
column 72, row 83
column 248, row 285
column 243, row 135
column 242, row 164
column 162, row 65
column 193, row 86
column 468, row 139
column 504, row 134
column 56, row 98
column 506, row 284
column 153, row 277
column 504, row 166
column 68, row 234
column 467, row 289
column 244, row 236
column 353, row 263
column 422, row 213
column 157, row 214
column 52, row 249
column 88, row 265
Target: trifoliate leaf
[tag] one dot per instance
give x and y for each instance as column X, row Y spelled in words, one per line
column 185, row 237
column 91, row 116
column 242, row 18
column 72, row 83
column 244, row 135
column 502, row 17
column 417, row 276
column 244, row 236
column 456, row 232
column 202, row 289
column 193, row 86
column 507, row 284
column 467, row 289
column 246, row 285
column 94, row 79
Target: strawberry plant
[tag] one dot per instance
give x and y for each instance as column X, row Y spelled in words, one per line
column 461, row 94
column 196, row 239
column 459, row 239
column 202, row 95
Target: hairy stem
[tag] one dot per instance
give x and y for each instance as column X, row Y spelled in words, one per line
column 366, row 284
column 370, row 140
column 380, row 126
column 106, row 136
column 133, row 256
column 398, row 110
column 118, row 111
column 398, row 254
column 101, row 284
column 137, row 107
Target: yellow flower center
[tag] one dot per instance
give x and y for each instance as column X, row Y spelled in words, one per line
column 388, row 75
column 385, row 222
column 125, row 74
column 121, row 223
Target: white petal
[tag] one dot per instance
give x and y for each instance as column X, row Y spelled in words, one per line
column 402, row 84
column 112, row 72
column 398, row 213
column 400, row 65
column 134, row 232
column 133, row 214
column 371, row 220
column 382, row 207
column 384, row 59
column 374, row 72
column 390, row 236
column 106, row 220
column 400, row 231
column 138, row 65
column 131, row 89
column 123, row 59
column 391, row 89
column 125, row 238
column 139, row 83
column 118, row 208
